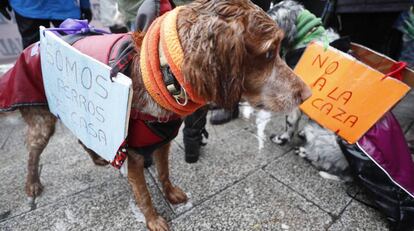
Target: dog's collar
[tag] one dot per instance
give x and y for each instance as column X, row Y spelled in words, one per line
column 176, row 96
column 171, row 82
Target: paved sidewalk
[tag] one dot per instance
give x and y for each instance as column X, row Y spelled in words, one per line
column 242, row 182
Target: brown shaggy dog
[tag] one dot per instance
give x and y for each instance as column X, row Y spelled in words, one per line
column 231, row 50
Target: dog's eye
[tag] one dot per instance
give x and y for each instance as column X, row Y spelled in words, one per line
column 270, row 54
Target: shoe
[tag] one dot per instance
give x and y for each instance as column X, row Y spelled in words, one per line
column 192, row 145
column 192, row 152
column 193, row 133
column 222, row 116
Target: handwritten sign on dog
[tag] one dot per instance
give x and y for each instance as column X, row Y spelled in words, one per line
column 80, row 93
column 348, row 97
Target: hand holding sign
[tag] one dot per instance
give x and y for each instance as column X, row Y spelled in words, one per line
column 348, row 96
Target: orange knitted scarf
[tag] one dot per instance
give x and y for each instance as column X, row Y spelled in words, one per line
column 164, row 31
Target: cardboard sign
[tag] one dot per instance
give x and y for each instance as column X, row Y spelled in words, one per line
column 380, row 62
column 348, row 97
column 80, row 93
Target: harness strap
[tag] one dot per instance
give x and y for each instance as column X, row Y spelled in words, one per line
column 123, row 59
column 73, row 38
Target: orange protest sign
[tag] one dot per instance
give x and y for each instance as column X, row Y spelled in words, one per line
column 348, row 97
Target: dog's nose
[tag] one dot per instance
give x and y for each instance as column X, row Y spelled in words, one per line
column 306, row 93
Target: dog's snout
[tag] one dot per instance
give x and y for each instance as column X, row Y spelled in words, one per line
column 305, row 93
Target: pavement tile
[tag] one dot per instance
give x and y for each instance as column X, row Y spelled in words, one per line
column 261, row 124
column 110, row 206
column 4, row 136
column 10, row 123
column 251, row 120
column 258, row 202
column 15, row 146
column 359, row 217
column 218, row 133
column 66, row 169
column 220, row 194
column 275, row 126
column 13, row 200
column 232, row 127
column 221, row 164
column 59, row 180
column 302, row 177
column 13, row 129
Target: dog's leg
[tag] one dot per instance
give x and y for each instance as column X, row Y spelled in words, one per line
column 174, row 194
column 292, row 123
column 41, row 126
column 97, row 160
column 142, row 196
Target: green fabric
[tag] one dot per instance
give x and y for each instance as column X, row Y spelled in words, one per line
column 409, row 24
column 309, row 28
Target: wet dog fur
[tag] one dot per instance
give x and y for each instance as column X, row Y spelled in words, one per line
column 320, row 147
column 231, row 51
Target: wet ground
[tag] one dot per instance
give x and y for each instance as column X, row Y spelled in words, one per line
column 241, row 182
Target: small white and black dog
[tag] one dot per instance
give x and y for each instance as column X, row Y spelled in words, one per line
column 320, row 146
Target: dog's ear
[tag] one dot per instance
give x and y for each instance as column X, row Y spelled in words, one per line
column 214, row 66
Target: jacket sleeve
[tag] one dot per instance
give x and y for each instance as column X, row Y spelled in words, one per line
column 147, row 12
column 85, row 4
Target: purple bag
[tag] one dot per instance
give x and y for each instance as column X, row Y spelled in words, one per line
column 381, row 162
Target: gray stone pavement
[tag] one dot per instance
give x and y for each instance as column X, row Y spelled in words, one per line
column 241, row 182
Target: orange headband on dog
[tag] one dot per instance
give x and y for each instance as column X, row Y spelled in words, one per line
column 164, row 30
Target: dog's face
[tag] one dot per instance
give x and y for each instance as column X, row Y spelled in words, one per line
column 231, row 50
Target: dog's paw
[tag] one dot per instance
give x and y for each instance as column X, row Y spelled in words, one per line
column 280, row 139
column 157, row 224
column 175, row 195
column 301, row 151
column 33, row 189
